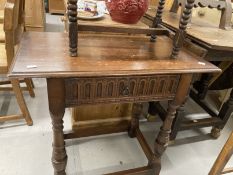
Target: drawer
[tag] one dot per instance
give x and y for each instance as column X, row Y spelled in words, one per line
column 120, row 89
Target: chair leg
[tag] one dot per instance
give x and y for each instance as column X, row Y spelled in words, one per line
column 30, row 85
column 21, row 101
column 223, row 157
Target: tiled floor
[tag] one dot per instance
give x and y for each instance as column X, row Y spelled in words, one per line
column 27, row 150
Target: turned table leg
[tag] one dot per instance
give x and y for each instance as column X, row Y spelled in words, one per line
column 162, row 139
column 180, row 113
column 56, row 97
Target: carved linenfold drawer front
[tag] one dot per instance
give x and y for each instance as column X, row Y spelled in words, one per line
column 120, row 89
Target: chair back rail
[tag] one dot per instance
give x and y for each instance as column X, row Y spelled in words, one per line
column 224, row 6
column 13, row 26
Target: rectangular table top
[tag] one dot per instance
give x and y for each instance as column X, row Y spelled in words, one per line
column 46, row 55
column 201, row 31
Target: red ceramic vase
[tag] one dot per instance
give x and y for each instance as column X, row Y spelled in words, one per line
column 127, row 11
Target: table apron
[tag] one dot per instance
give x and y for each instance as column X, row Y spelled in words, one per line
column 122, row 89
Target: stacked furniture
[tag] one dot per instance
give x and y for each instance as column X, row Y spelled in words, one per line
column 124, row 69
column 13, row 28
column 216, row 41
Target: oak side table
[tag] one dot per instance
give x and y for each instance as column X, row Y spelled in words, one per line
column 109, row 69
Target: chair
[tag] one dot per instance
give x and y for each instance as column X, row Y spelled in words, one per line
column 14, row 28
column 223, row 158
column 219, row 53
column 224, row 6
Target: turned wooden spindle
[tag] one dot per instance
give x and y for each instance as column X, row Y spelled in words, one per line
column 224, row 6
column 158, row 18
column 73, row 27
column 224, row 114
column 181, row 33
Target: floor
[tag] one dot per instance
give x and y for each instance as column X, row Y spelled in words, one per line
column 26, row 150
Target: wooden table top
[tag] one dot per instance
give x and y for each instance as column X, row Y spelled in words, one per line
column 201, row 31
column 46, row 55
column 107, row 21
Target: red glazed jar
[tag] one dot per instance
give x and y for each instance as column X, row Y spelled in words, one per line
column 127, row 11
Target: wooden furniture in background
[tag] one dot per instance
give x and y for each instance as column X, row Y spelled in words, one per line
column 223, row 158
column 14, row 27
column 179, row 37
column 109, row 76
column 2, row 5
column 218, row 44
column 100, row 119
column 35, row 15
column 56, row 6
column 224, row 6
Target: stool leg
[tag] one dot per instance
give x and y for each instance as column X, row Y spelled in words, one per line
column 223, row 157
column 158, row 18
column 21, row 101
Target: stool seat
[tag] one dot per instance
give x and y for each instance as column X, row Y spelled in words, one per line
column 3, row 59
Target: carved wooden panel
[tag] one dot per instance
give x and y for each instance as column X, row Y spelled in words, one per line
column 120, row 89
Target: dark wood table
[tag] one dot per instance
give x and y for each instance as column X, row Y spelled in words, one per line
column 109, row 69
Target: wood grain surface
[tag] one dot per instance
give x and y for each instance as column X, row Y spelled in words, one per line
column 101, row 55
column 200, row 30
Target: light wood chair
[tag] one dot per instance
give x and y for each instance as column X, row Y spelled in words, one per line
column 223, row 158
column 14, row 28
